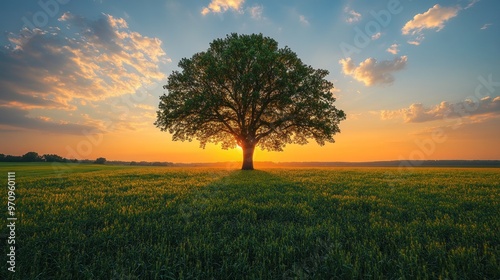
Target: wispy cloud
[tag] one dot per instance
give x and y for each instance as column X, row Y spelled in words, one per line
column 19, row 118
column 351, row 15
column 471, row 4
column 415, row 113
column 221, row 6
column 417, row 40
column 371, row 72
column 303, row 20
column 256, row 12
column 376, row 36
column 87, row 60
column 485, row 26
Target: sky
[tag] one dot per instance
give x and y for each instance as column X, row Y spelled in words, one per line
column 418, row 80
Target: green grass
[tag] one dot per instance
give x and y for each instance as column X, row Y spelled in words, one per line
column 110, row 222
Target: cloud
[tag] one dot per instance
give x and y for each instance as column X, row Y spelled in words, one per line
column 478, row 110
column 485, row 26
column 303, row 20
column 434, row 18
column 471, row 4
column 354, row 116
column 394, row 49
column 371, row 72
column 352, row 16
column 417, row 40
column 221, row 6
column 256, row 12
column 15, row 117
column 376, row 36
column 89, row 60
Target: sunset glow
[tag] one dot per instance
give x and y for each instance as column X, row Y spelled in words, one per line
column 418, row 80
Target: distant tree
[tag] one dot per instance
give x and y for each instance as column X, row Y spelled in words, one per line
column 53, row 158
column 10, row 158
column 2, row 157
column 100, row 160
column 31, row 157
column 246, row 91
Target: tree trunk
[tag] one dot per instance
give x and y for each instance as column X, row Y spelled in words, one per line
column 247, row 157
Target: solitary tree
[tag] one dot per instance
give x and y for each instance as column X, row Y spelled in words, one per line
column 246, row 91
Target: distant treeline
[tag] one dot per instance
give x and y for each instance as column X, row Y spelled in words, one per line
column 35, row 157
column 399, row 163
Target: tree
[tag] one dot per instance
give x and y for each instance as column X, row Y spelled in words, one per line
column 53, row 158
column 246, row 91
column 31, row 157
column 100, row 160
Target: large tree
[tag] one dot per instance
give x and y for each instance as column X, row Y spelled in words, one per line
column 246, row 91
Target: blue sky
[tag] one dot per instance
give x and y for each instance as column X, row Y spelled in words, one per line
column 404, row 72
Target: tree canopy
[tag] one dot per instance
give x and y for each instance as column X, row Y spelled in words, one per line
column 100, row 160
column 245, row 90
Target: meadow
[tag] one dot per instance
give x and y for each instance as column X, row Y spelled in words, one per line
column 120, row 222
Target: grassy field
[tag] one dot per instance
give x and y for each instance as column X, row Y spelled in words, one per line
column 110, row 222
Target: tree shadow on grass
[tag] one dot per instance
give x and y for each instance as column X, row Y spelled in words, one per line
column 248, row 197
column 266, row 224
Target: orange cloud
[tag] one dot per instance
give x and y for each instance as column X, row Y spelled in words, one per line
column 393, row 49
column 371, row 72
column 473, row 110
column 221, row 6
column 89, row 60
column 106, row 60
column 433, row 18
